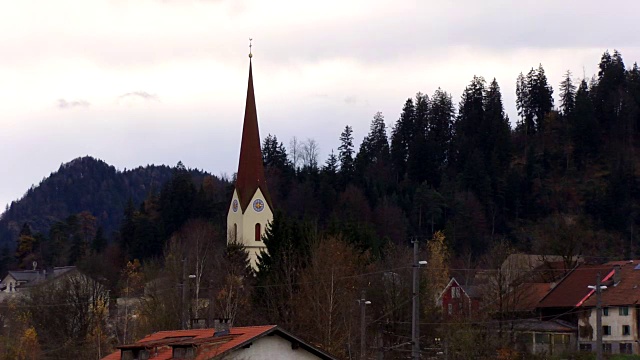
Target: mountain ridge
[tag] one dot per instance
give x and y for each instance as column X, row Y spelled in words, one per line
column 83, row 184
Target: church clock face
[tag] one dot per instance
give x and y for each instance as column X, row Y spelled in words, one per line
column 258, row 205
column 234, row 205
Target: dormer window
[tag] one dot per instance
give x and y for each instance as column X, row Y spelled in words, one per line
column 184, row 352
column 134, row 354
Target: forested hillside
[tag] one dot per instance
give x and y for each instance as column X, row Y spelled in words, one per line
column 83, row 185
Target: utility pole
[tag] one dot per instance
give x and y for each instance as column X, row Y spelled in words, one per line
column 183, row 298
column 598, row 318
column 363, row 325
column 415, row 315
column 210, row 312
column 598, row 289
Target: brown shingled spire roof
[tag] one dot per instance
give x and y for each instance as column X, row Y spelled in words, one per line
column 250, row 176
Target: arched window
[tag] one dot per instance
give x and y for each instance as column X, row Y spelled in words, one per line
column 258, row 232
column 235, row 232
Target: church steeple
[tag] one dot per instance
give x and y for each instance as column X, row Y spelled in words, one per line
column 250, row 166
column 250, row 210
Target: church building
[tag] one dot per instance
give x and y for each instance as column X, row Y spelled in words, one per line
column 251, row 209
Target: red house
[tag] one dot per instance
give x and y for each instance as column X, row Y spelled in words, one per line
column 458, row 301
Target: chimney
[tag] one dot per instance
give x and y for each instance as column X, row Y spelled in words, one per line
column 221, row 327
column 616, row 275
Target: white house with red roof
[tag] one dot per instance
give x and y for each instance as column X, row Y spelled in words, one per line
column 236, row 343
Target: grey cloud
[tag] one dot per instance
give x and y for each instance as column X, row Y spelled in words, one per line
column 64, row 104
column 350, row 100
column 140, row 95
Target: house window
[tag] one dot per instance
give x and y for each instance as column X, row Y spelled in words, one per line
column 606, row 348
column 184, row 353
column 134, row 354
column 257, row 231
column 606, row 330
column 626, row 330
column 585, row 347
column 623, row 310
column 605, row 311
column 455, row 292
column 543, row 339
column 450, row 309
column 626, row 348
column 560, row 339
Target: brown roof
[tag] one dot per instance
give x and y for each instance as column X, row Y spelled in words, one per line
column 250, row 176
column 573, row 289
column 626, row 291
column 528, row 295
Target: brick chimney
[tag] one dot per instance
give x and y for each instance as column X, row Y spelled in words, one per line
column 616, row 275
column 221, row 327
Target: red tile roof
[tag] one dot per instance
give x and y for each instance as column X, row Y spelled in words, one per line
column 626, row 291
column 209, row 348
column 573, row 289
column 250, row 176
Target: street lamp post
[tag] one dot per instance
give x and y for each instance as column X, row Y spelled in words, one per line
column 363, row 325
column 415, row 315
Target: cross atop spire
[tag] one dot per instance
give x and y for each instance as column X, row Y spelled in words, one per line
column 250, row 54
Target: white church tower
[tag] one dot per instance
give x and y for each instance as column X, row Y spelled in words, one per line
column 250, row 210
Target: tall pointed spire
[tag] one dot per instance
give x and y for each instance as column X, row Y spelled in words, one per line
column 250, row 167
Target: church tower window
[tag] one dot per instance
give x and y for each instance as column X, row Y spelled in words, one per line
column 258, row 236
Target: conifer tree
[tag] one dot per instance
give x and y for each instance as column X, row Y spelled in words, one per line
column 401, row 137
column 584, row 125
column 440, row 132
column 418, row 146
column 567, row 94
column 274, row 154
column 345, row 152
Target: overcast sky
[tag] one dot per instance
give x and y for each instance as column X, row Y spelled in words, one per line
column 155, row 82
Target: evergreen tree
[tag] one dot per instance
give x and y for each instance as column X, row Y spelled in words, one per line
column 345, row 152
column 331, row 165
column 128, row 227
column 176, row 200
column 584, row 125
column 287, row 245
column 567, row 94
column 374, row 148
column 469, row 122
column 497, row 131
column 401, row 137
column 541, row 97
column 274, row 153
column 439, row 133
column 523, row 105
column 609, row 90
column 534, row 99
column 99, row 241
column 419, row 146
